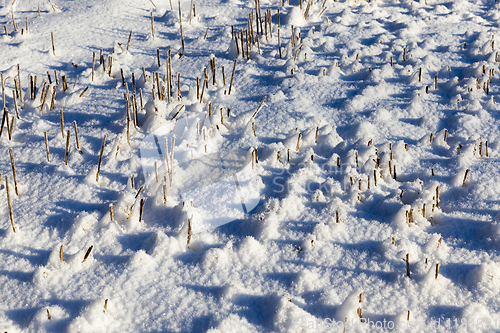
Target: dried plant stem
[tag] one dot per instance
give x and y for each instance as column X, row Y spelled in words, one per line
column 465, row 177
column 53, row 99
column 67, row 147
column 179, row 93
column 111, row 212
column 128, row 131
column 45, row 92
column 437, row 196
column 437, row 271
column 13, row 170
column 139, row 191
column 152, row 26
column 279, row 43
column 3, row 90
column 100, row 159
column 11, row 128
column 61, row 254
column 202, row 91
column 123, row 77
column 6, row 114
column 156, row 172
column 10, row 203
column 232, row 77
column 15, row 103
column 260, row 106
column 141, row 209
column 140, row 94
column 19, row 81
column 87, row 253
column 76, row 135
column 178, row 111
column 129, row 37
column 84, row 91
column 408, row 264
column 190, row 11
column 189, row 231
column 53, row 47
column 170, row 71
column 93, row 65
column 47, row 146
column 182, row 39
column 298, row 142
column 62, row 123
column 34, row 87
column 16, row 87
column 136, row 117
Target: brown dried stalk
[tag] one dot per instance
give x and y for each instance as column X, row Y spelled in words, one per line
column 62, row 123
column 15, row 103
column 152, row 26
column 93, row 65
column 111, row 212
column 232, row 76
column 47, row 146
column 100, row 159
column 13, row 170
column 84, row 91
column 141, row 208
column 10, row 204
column 76, row 135
column 189, row 231
column 67, row 147
column 298, row 142
column 260, row 106
column 408, row 264
column 87, row 253
column 53, row 47
column 465, row 177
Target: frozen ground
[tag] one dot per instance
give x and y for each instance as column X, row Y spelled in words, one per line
column 360, row 87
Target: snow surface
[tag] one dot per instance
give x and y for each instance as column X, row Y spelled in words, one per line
column 355, row 81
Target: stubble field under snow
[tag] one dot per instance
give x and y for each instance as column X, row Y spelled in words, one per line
column 341, row 175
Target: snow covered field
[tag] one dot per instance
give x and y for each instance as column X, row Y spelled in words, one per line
column 304, row 166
